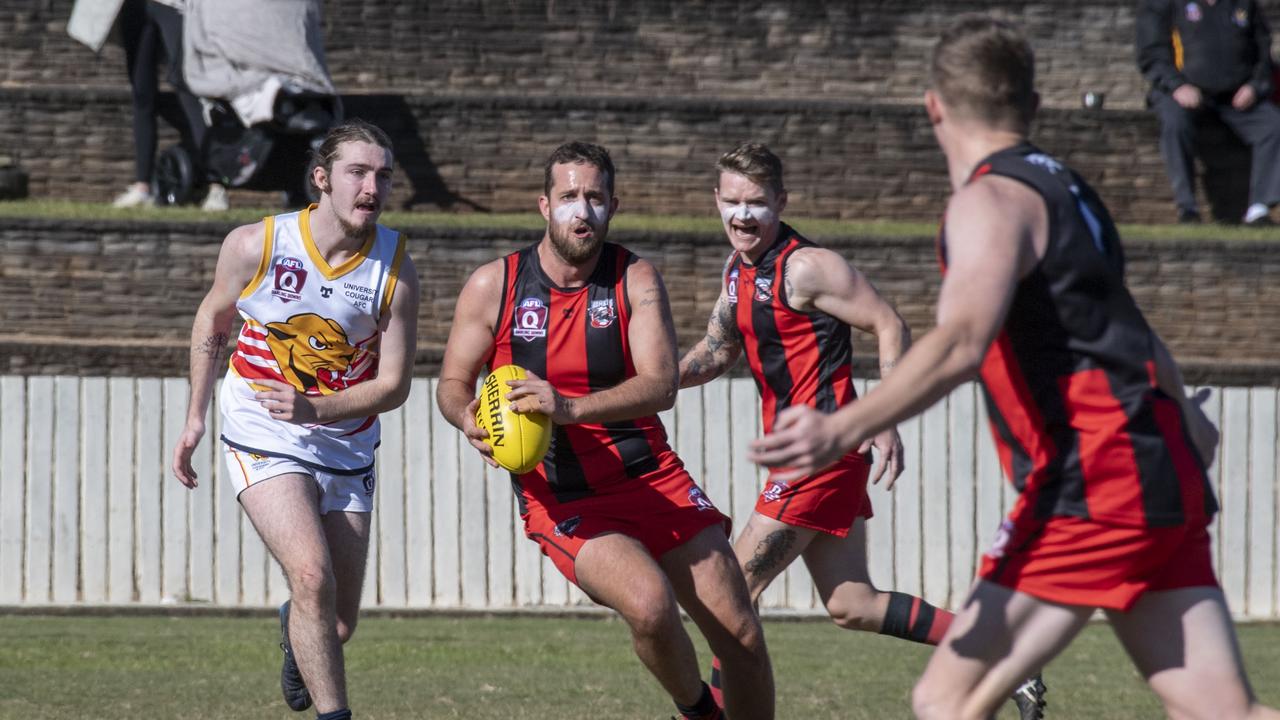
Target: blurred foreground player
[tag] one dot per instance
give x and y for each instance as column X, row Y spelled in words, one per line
column 1088, row 409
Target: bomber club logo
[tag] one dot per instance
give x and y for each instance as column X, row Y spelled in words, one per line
column 1001, row 543
column 773, row 491
column 289, row 279
column 566, row 527
column 1046, row 162
column 731, row 286
column 531, row 319
column 764, row 291
column 700, row 499
column 602, row 313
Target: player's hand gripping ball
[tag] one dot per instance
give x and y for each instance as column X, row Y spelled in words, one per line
column 519, row 440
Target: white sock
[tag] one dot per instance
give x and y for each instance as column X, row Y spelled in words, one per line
column 1255, row 211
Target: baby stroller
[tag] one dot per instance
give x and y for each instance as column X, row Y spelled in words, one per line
column 260, row 70
column 269, row 155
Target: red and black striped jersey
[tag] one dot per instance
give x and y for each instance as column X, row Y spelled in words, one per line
column 576, row 338
column 797, row 358
column 1080, row 425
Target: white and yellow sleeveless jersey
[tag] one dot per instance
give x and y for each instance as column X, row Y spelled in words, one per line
column 316, row 328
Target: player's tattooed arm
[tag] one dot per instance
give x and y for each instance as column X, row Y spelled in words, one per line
column 238, row 261
column 212, row 346
column 716, row 352
column 652, row 296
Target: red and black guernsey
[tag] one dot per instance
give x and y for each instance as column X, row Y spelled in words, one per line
column 797, row 358
column 576, row 338
column 1079, row 423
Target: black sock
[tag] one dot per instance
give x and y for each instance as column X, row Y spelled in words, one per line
column 705, row 705
column 343, row 714
column 911, row 618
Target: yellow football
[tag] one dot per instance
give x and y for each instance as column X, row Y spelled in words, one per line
column 519, row 440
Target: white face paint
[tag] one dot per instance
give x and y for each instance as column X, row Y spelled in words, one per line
column 593, row 212
column 743, row 213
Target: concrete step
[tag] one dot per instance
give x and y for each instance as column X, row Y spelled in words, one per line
column 485, row 152
column 101, row 297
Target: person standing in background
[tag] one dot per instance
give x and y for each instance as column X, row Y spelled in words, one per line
column 1211, row 57
column 149, row 28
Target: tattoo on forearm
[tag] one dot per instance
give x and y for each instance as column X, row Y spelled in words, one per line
column 725, row 321
column 771, row 552
column 699, row 366
column 888, row 365
column 694, row 369
column 562, row 405
column 212, row 346
column 722, row 332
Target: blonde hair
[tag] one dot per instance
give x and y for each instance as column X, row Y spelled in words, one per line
column 984, row 69
column 754, row 161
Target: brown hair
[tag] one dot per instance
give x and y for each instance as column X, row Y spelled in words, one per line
column 754, row 161
column 985, row 70
column 579, row 152
column 355, row 130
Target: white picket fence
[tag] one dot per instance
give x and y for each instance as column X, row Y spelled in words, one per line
column 90, row 514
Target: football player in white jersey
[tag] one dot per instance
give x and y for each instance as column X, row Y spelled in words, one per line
column 330, row 304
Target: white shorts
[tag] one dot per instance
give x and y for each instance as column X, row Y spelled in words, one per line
column 338, row 492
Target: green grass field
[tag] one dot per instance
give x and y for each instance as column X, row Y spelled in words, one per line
column 197, row 668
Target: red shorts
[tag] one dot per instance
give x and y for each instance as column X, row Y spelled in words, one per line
column 828, row 501
column 1073, row 561
column 663, row 510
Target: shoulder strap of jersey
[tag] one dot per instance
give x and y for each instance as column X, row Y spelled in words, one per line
column 793, row 241
column 393, row 277
column 730, row 263
column 623, row 260
column 510, row 277
column 268, row 235
column 1026, row 164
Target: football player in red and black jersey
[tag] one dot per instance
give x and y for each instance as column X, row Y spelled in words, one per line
column 1090, row 416
column 611, row 504
column 789, row 304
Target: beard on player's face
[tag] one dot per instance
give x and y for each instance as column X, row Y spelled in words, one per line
column 577, row 240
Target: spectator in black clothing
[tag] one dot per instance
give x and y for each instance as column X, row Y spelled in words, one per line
column 1211, row 56
column 150, row 28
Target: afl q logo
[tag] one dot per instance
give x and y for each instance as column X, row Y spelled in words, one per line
column 289, row 279
column 530, row 320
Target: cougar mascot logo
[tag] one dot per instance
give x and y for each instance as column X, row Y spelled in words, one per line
column 312, row 352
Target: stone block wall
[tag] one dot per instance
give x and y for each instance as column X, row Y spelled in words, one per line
column 871, row 50
column 476, row 92
column 117, row 298
column 467, row 154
